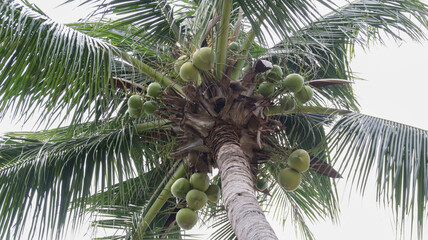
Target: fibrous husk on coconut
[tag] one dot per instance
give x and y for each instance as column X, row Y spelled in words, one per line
column 305, row 94
column 293, row 82
column 186, row 218
column 154, row 89
column 135, row 102
column 299, row 160
column 196, row 199
column 180, row 188
column 150, row 106
column 189, row 72
column 200, row 181
column 213, row 193
column 287, row 103
column 289, row 179
column 266, row 89
column 204, row 58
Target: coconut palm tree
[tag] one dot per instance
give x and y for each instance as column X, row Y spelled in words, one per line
column 226, row 114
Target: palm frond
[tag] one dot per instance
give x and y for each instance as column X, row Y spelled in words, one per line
column 33, row 171
column 50, row 66
column 156, row 20
column 396, row 153
column 324, row 47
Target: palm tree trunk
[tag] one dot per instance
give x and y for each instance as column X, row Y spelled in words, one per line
column 243, row 210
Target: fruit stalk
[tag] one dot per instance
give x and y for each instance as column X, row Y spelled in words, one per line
column 159, row 202
column 221, row 48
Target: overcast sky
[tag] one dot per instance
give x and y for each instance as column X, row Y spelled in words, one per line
column 395, row 89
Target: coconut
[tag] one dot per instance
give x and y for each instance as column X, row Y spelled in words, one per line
column 305, row 94
column 189, row 72
column 154, row 89
column 179, row 62
column 213, row 193
column 150, row 106
column 266, row 89
column 275, row 74
column 287, row 103
column 289, row 179
column 196, row 199
column 135, row 112
column 186, row 218
column 200, row 181
column 180, row 188
column 135, row 102
column 299, row 160
column 293, row 82
column 204, row 58
column 234, row 46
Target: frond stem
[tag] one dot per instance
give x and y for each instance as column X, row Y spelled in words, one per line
column 151, row 125
column 221, row 48
column 277, row 110
column 146, row 69
column 159, row 202
column 244, row 51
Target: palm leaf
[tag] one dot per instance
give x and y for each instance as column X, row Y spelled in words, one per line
column 33, row 170
column 50, row 66
column 395, row 152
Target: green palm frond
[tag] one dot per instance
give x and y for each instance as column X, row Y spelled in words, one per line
column 34, row 170
column 396, row 153
column 323, row 48
column 283, row 17
column 50, row 66
column 156, row 20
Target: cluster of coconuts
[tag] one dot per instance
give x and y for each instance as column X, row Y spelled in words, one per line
column 293, row 83
column 203, row 59
column 196, row 191
column 136, row 106
column 290, row 177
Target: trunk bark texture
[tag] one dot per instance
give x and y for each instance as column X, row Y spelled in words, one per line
column 239, row 198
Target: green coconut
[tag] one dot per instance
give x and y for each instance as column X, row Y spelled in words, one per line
column 305, row 94
column 299, row 160
column 289, row 179
column 234, row 46
column 154, row 89
column 275, row 74
column 189, row 72
column 266, row 89
column 204, row 58
column 200, row 181
column 150, row 106
column 180, row 188
column 287, row 103
column 293, row 82
column 135, row 112
column 186, row 218
column 135, row 102
column 196, row 199
column 179, row 62
column 213, row 193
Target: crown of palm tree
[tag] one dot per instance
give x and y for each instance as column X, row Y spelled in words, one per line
column 102, row 161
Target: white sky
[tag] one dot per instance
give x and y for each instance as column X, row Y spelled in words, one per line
column 395, row 89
